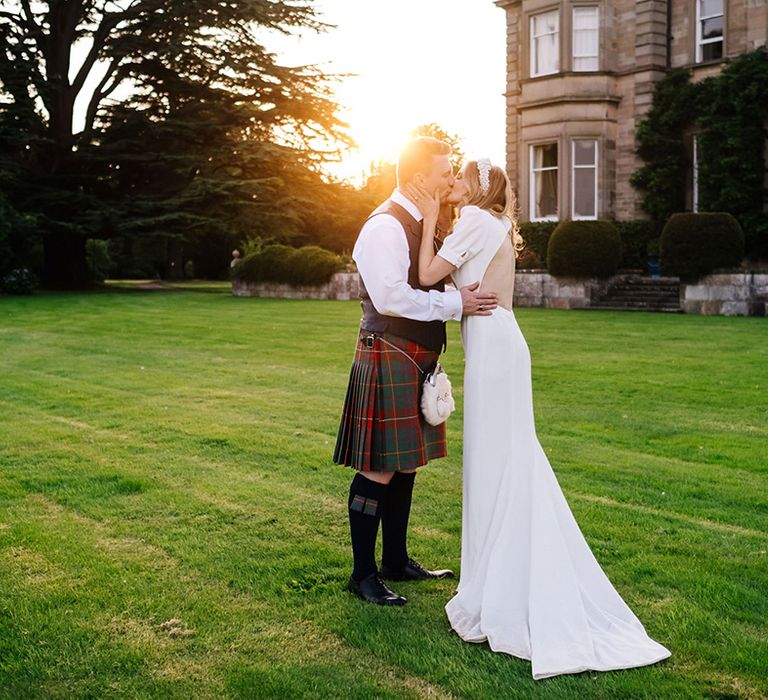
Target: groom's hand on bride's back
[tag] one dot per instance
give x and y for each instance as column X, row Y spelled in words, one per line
column 476, row 303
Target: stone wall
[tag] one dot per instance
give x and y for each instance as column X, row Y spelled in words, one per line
column 342, row 286
column 532, row 288
column 735, row 294
column 538, row 288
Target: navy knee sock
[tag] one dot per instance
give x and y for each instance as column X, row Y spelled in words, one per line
column 365, row 506
column 394, row 520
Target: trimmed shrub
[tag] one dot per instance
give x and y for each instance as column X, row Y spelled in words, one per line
column 307, row 266
column 536, row 235
column 266, row 265
column 636, row 237
column 314, row 266
column 584, row 249
column 694, row 245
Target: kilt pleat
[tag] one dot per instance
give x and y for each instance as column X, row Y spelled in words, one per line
column 363, row 429
column 346, row 432
column 381, row 427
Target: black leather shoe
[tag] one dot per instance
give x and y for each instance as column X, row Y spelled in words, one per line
column 373, row 589
column 413, row 571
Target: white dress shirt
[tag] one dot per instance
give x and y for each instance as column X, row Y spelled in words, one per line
column 381, row 256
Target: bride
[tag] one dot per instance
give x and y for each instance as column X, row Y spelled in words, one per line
column 530, row 585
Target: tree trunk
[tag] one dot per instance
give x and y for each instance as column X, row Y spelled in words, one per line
column 65, row 265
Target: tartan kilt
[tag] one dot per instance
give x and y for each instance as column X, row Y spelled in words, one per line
column 382, row 428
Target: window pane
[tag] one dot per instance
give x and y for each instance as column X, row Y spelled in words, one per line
column 545, row 23
column 711, row 28
column 585, row 18
column 582, row 64
column 710, row 7
column 713, row 51
column 545, row 184
column 585, row 42
column 584, row 192
column 544, row 203
column 545, row 53
column 586, row 38
column 584, row 152
column 545, row 156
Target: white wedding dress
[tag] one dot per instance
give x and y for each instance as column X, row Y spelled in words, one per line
column 530, row 585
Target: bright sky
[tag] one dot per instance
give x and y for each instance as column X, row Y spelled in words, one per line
column 417, row 61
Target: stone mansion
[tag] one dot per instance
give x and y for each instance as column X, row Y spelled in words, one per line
column 580, row 78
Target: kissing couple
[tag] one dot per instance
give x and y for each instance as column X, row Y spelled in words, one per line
column 529, row 585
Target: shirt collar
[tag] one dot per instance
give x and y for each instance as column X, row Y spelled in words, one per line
column 399, row 198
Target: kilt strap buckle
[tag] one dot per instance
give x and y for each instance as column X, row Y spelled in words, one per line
column 369, row 340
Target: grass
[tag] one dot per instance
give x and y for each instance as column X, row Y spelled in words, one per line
column 171, row 525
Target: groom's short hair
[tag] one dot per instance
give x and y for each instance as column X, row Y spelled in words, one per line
column 416, row 157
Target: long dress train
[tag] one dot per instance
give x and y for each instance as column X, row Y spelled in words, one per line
column 530, row 585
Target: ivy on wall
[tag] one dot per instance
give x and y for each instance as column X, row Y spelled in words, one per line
column 660, row 144
column 729, row 114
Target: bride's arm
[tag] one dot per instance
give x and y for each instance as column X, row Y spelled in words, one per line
column 432, row 268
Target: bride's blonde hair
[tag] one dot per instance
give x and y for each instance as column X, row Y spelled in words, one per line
column 499, row 199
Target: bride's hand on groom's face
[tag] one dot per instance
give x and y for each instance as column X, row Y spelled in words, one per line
column 428, row 204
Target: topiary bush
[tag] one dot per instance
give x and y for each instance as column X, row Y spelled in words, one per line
column 307, row 266
column 313, row 265
column 270, row 264
column 636, row 237
column 536, row 235
column 694, row 245
column 584, row 249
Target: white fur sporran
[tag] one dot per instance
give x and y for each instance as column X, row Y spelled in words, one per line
column 436, row 399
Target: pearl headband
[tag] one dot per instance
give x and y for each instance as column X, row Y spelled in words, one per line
column 484, row 170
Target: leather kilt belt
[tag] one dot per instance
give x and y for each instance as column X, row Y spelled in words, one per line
column 382, row 428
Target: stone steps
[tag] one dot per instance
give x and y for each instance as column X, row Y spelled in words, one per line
column 635, row 293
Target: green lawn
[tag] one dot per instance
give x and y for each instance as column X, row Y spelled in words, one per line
column 171, row 525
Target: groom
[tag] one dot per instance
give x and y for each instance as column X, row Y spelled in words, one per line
column 382, row 433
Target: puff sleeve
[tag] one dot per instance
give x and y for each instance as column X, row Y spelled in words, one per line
column 467, row 238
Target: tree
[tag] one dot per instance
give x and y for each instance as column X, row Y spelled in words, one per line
column 212, row 129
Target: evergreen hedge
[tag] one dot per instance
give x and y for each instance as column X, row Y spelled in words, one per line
column 584, row 249
column 306, row 266
column 636, row 237
column 536, row 235
column 694, row 245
